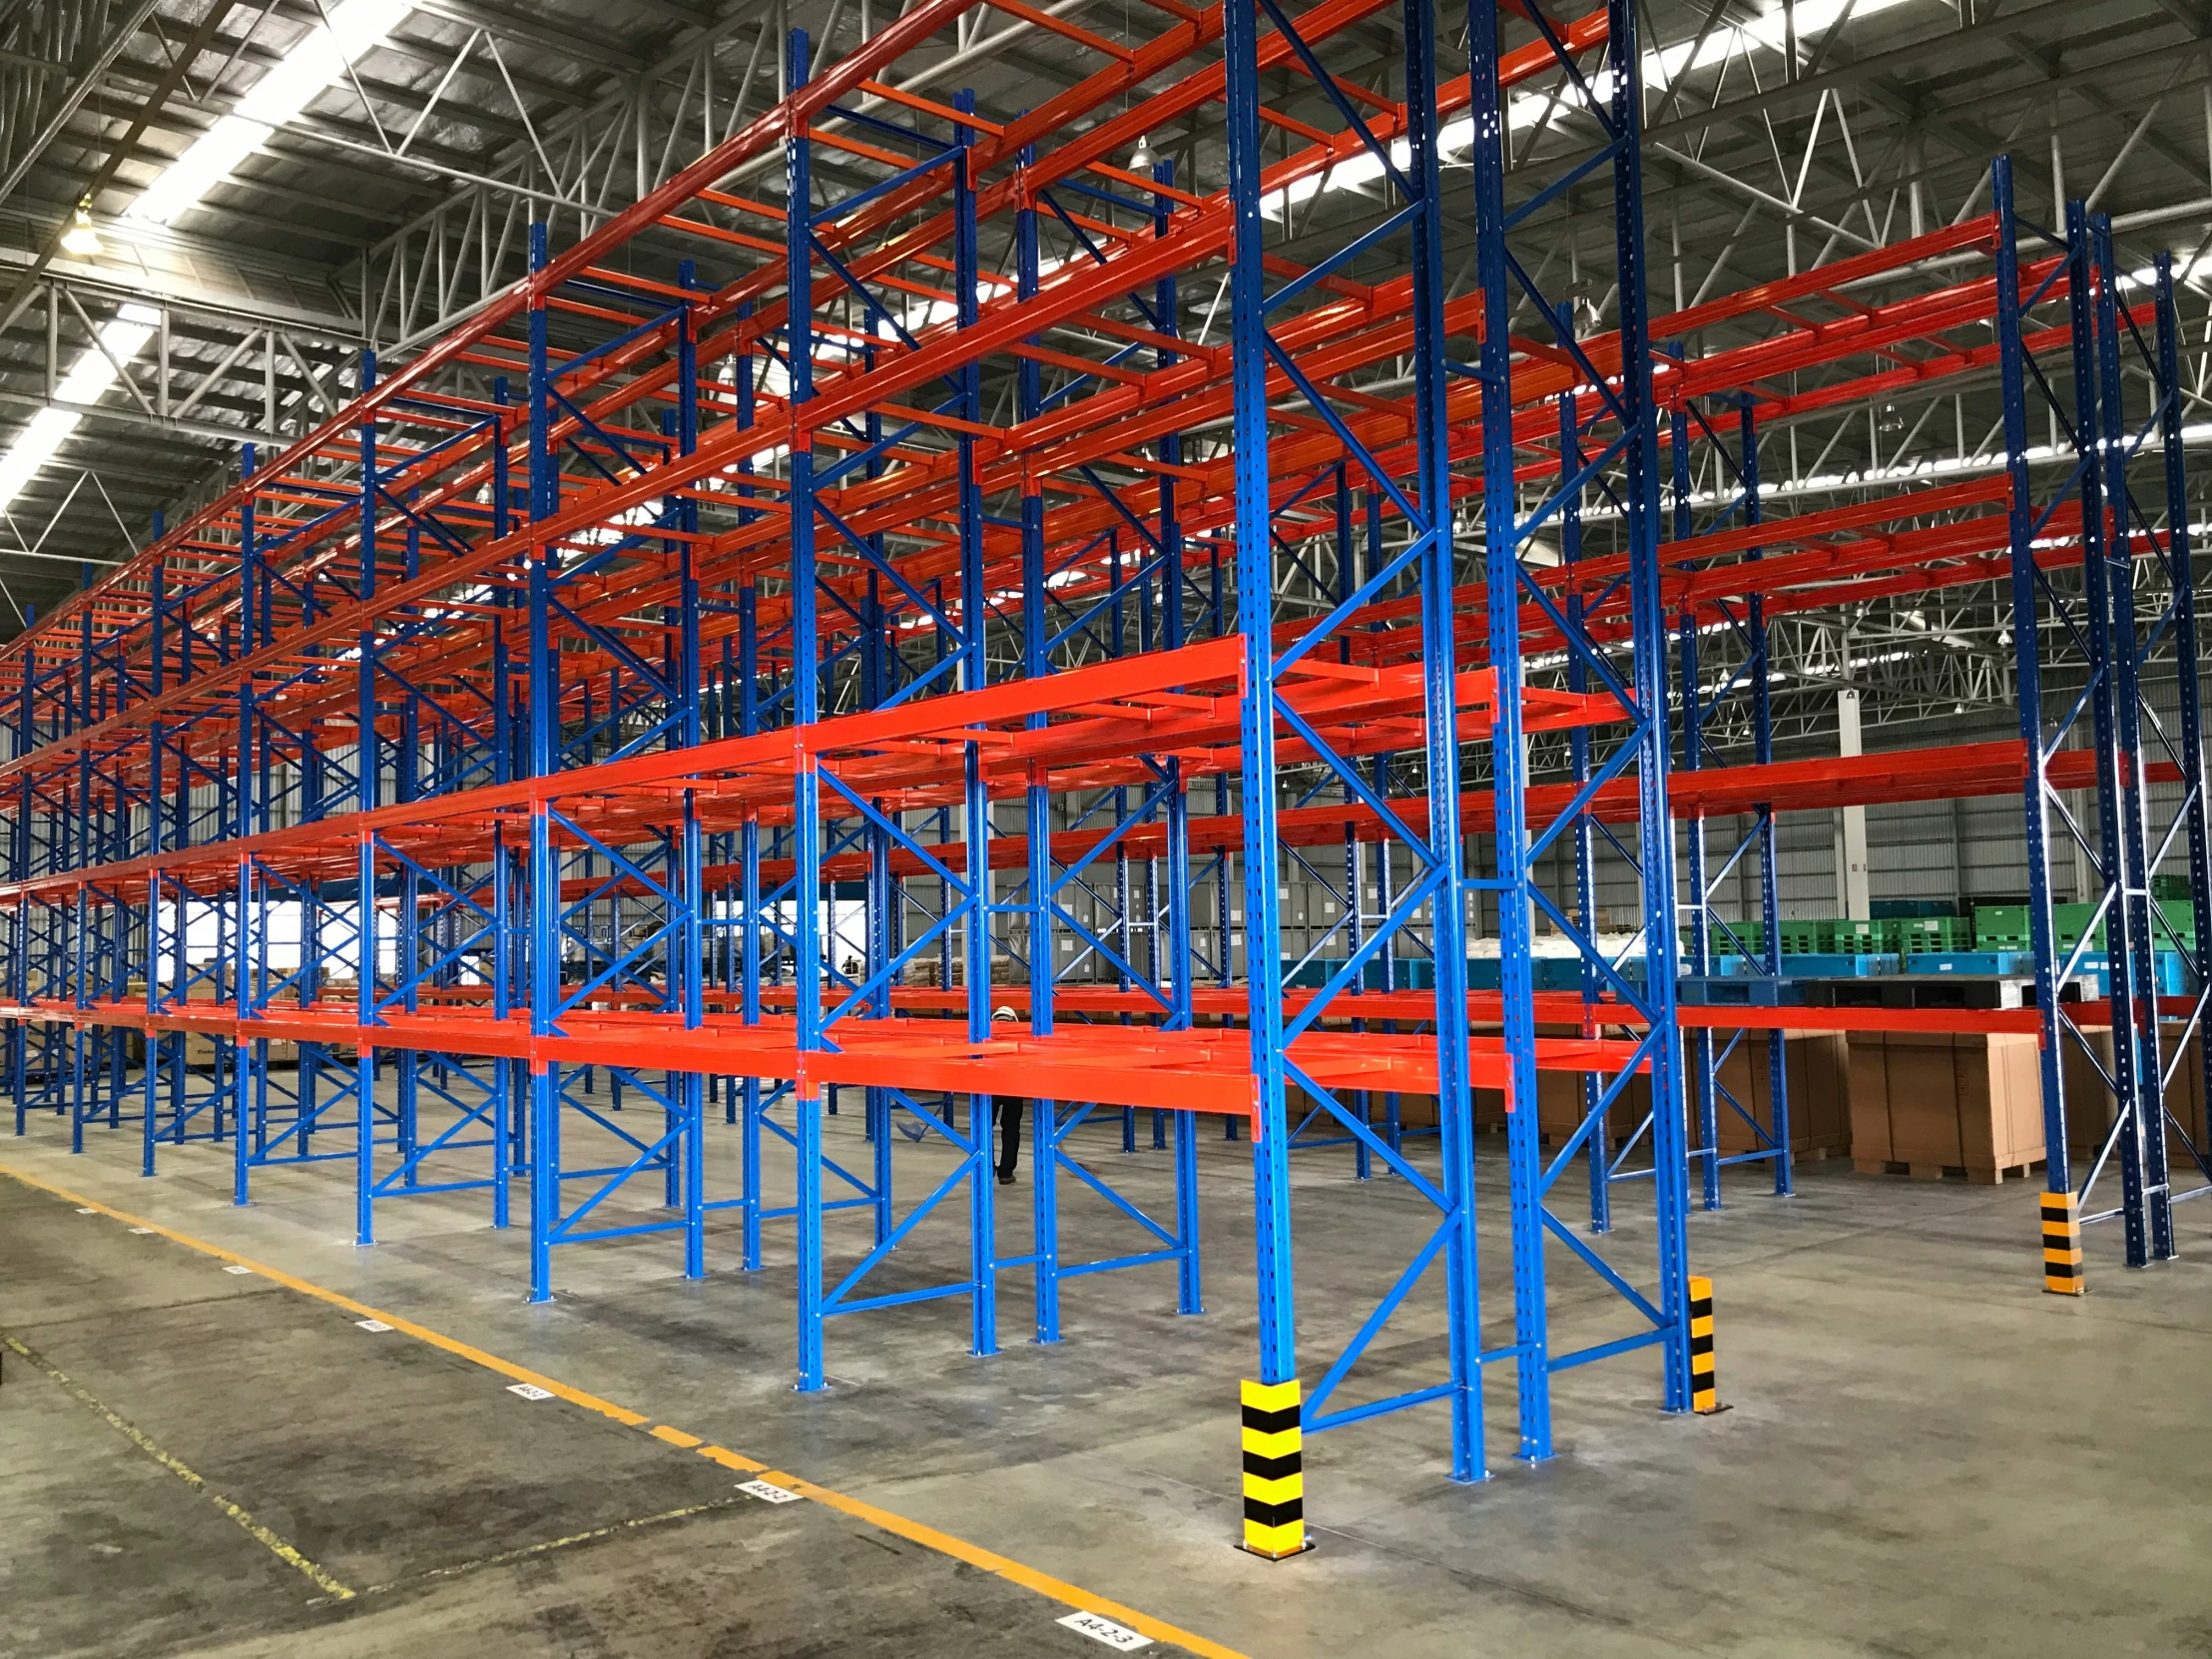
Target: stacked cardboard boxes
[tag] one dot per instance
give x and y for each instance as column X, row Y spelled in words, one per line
column 1937, row 1104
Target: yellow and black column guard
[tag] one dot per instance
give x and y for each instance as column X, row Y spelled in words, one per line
column 2062, row 1245
column 1273, row 1470
column 1704, row 1389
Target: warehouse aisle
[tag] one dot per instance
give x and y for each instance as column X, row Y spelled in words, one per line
column 1904, row 1404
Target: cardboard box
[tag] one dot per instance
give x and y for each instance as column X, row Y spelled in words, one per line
column 1933, row 1104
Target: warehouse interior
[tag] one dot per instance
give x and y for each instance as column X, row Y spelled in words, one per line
column 1425, row 786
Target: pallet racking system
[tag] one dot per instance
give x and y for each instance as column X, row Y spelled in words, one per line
column 509, row 744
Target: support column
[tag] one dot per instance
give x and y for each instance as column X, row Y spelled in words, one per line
column 1280, row 1532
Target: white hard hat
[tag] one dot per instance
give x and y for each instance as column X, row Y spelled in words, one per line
column 1002, row 1012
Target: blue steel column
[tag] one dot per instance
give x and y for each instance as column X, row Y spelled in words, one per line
column 806, row 711
column 748, row 910
column 368, row 765
column 2189, row 688
column 1190, row 1290
column 545, row 869
column 1698, row 1061
column 2028, row 671
column 154, row 846
column 1044, row 956
column 976, row 808
column 366, row 1015
column 2146, row 1119
column 1511, row 877
column 749, row 844
column 1438, row 574
column 1648, row 622
column 690, row 1086
column 241, row 1082
column 1761, row 753
column 1254, row 621
column 2096, row 524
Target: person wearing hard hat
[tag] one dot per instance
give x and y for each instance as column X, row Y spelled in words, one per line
column 1009, row 1115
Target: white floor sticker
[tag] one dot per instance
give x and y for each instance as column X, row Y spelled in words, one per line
column 234, row 1268
column 1106, row 1630
column 766, row 1492
column 529, row 1390
column 373, row 1325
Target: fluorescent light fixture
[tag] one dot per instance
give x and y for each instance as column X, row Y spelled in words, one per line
column 86, row 382
column 322, row 55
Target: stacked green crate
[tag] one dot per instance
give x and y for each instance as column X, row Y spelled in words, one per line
column 2067, row 922
column 2169, row 887
column 2005, row 926
column 1853, row 936
column 1802, row 938
column 1928, row 935
column 1739, row 938
column 2181, row 923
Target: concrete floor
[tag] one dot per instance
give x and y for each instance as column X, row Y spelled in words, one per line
column 1925, row 1455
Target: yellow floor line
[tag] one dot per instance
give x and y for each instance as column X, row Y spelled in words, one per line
column 944, row 1543
column 261, row 1535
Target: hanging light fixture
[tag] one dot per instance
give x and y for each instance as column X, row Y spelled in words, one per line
column 80, row 239
column 1140, row 159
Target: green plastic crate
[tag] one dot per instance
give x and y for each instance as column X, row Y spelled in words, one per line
column 1854, row 936
column 2005, row 927
column 1802, row 938
column 1752, row 934
column 1929, row 935
column 2067, row 922
column 2001, row 927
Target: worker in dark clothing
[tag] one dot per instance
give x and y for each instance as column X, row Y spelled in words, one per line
column 1009, row 1117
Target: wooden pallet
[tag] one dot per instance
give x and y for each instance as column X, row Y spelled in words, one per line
column 1820, row 1154
column 1977, row 1177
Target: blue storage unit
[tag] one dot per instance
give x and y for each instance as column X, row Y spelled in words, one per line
column 2171, row 975
column 2000, row 964
column 1830, row 966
